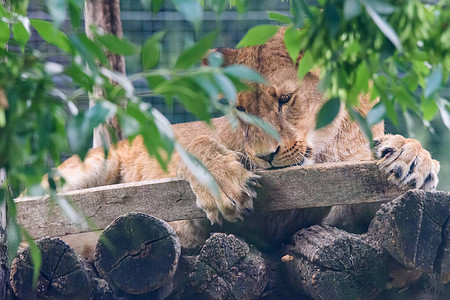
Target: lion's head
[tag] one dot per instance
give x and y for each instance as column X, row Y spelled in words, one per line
column 287, row 104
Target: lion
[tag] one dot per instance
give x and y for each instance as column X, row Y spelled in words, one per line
column 291, row 107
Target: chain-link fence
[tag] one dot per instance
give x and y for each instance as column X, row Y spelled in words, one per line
column 139, row 24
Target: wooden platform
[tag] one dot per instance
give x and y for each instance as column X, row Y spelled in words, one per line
column 172, row 199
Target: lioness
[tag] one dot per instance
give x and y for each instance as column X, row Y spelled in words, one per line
column 291, row 107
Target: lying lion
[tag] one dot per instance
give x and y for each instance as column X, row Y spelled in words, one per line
column 289, row 106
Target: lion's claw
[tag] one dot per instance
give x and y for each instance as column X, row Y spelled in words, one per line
column 406, row 163
column 236, row 183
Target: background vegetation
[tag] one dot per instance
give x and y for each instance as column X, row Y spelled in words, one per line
column 402, row 46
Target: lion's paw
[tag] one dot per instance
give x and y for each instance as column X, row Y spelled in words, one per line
column 236, row 189
column 236, row 183
column 406, row 163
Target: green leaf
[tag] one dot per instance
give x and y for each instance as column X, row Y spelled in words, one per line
column 254, row 120
column 299, row 11
column 445, row 114
column 352, row 9
column 257, row 35
column 200, row 172
column 433, row 81
column 279, row 17
column 154, row 81
column 191, row 10
column 75, row 12
column 244, row 72
column 14, row 234
column 121, row 79
column 363, row 124
column 429, row 108
column 57, row 10
column 362, row 78
column 146, row 4
column 117, row 45
column 382, row 7
column 80, row 129
column 196, row 52
column 93, row 49
column 21, row 34
column 218, row 6
column 167, row 136
column 151, row 50
column 333, row 19
column 305, row 65
column 194, row 102
column 4, row 33
column 215, row 59
column 292, row 40
column 130, row 126
column 328, row 112
column 376, row 114
column 383, row 25
column 67, row 207
column 156, row 5
column 4, row 12
column 226, row 86
column 36, row 258
column 205, row 81
column 241, row 5
column 51, row 35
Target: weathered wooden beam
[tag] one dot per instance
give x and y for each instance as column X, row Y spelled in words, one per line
column 172, row 199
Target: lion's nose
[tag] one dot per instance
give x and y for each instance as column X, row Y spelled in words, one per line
column 269, row 157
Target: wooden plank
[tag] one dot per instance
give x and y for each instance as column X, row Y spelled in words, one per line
column 172, row 199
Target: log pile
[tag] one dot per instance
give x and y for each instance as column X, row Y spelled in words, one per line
column 138, row 257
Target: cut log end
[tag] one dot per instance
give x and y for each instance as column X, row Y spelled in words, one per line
column 63, row 274
column 137, row 253
column 227, row 268
column 329, row 263
column 414, row 230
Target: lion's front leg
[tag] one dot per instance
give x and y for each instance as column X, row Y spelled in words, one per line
column 406, row 163
column 234, row 180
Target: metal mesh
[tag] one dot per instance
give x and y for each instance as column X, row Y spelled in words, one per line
column 139, row 25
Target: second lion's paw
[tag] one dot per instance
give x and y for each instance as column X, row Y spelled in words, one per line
column 406, row 163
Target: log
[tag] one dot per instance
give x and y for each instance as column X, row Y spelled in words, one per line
column 178, row 288
column 228, row 268
column 4, row 270
column 328, row 263
column 101, row 290
column 63, row 274
column 137, row 253
column 289, row 188
column 414, row 230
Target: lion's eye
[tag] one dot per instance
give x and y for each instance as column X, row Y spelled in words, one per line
column 284, row 98
column 240, row 108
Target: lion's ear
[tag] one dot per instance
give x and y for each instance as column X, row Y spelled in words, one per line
column 229, row 56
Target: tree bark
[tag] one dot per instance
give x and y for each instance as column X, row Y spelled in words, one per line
column 228, row 268
column 105, row 14
column 137, row 253
column 414, row 230
column 63, row 274
column 4, row 271
column 328, row 263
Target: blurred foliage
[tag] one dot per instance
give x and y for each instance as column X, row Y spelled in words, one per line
column 38, row 122
column 396, row 50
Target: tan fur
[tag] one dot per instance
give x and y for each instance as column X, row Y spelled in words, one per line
column 223, row 150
